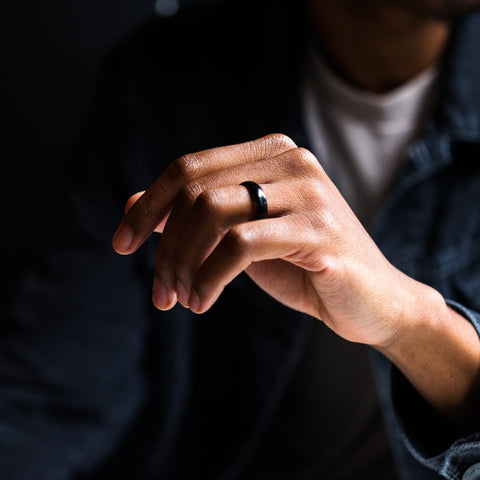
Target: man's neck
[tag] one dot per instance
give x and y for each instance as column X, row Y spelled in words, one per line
column 375, row 46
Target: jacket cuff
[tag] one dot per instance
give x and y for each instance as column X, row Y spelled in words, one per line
column 432, row 440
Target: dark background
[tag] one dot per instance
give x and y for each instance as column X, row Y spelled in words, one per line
column 51, row 52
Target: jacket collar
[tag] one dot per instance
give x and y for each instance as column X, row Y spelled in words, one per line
column 459, row 105
column 456, row 122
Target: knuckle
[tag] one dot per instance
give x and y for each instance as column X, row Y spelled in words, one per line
column 279, row 141
column 312, row 190
column 208, row 203
column 300, row 163
column 238, row 241
column 270, row 145
column 327, row 221
column 317, row 207
column 184, row 168
column 189, row 193
column 305, row 157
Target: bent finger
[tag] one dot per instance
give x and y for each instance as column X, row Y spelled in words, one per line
column 151, row 208
column 214, row 213
column 244, row 244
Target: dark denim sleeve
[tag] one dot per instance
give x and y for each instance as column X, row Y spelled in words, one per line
column 433, row 442
column 71, row 345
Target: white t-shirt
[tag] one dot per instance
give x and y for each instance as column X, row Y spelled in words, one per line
column 359, row 137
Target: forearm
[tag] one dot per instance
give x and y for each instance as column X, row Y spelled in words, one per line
column 439, row 353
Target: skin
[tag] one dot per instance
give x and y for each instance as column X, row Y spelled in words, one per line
column 312, row 253
column 376, row 46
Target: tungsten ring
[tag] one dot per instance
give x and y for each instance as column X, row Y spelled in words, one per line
column 258, row 195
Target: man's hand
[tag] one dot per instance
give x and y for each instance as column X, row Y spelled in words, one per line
column 311, row 253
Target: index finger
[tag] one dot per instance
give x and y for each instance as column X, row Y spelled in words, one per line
column 154, row 205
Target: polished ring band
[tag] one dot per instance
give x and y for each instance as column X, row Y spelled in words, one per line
column 258, row 195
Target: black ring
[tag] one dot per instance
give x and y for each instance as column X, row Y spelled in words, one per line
column 258, row 195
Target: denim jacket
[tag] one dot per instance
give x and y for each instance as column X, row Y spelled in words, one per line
column 428, row 230
column 95, row 383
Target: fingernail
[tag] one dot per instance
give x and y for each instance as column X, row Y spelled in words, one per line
column 159, row 295
column 194, row 302
column 123, row 238
column 182, row 294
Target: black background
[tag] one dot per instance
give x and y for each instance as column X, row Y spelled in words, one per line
column 51, row 52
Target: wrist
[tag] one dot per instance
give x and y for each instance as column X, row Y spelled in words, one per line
column 438, row 351
column 419, row 310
